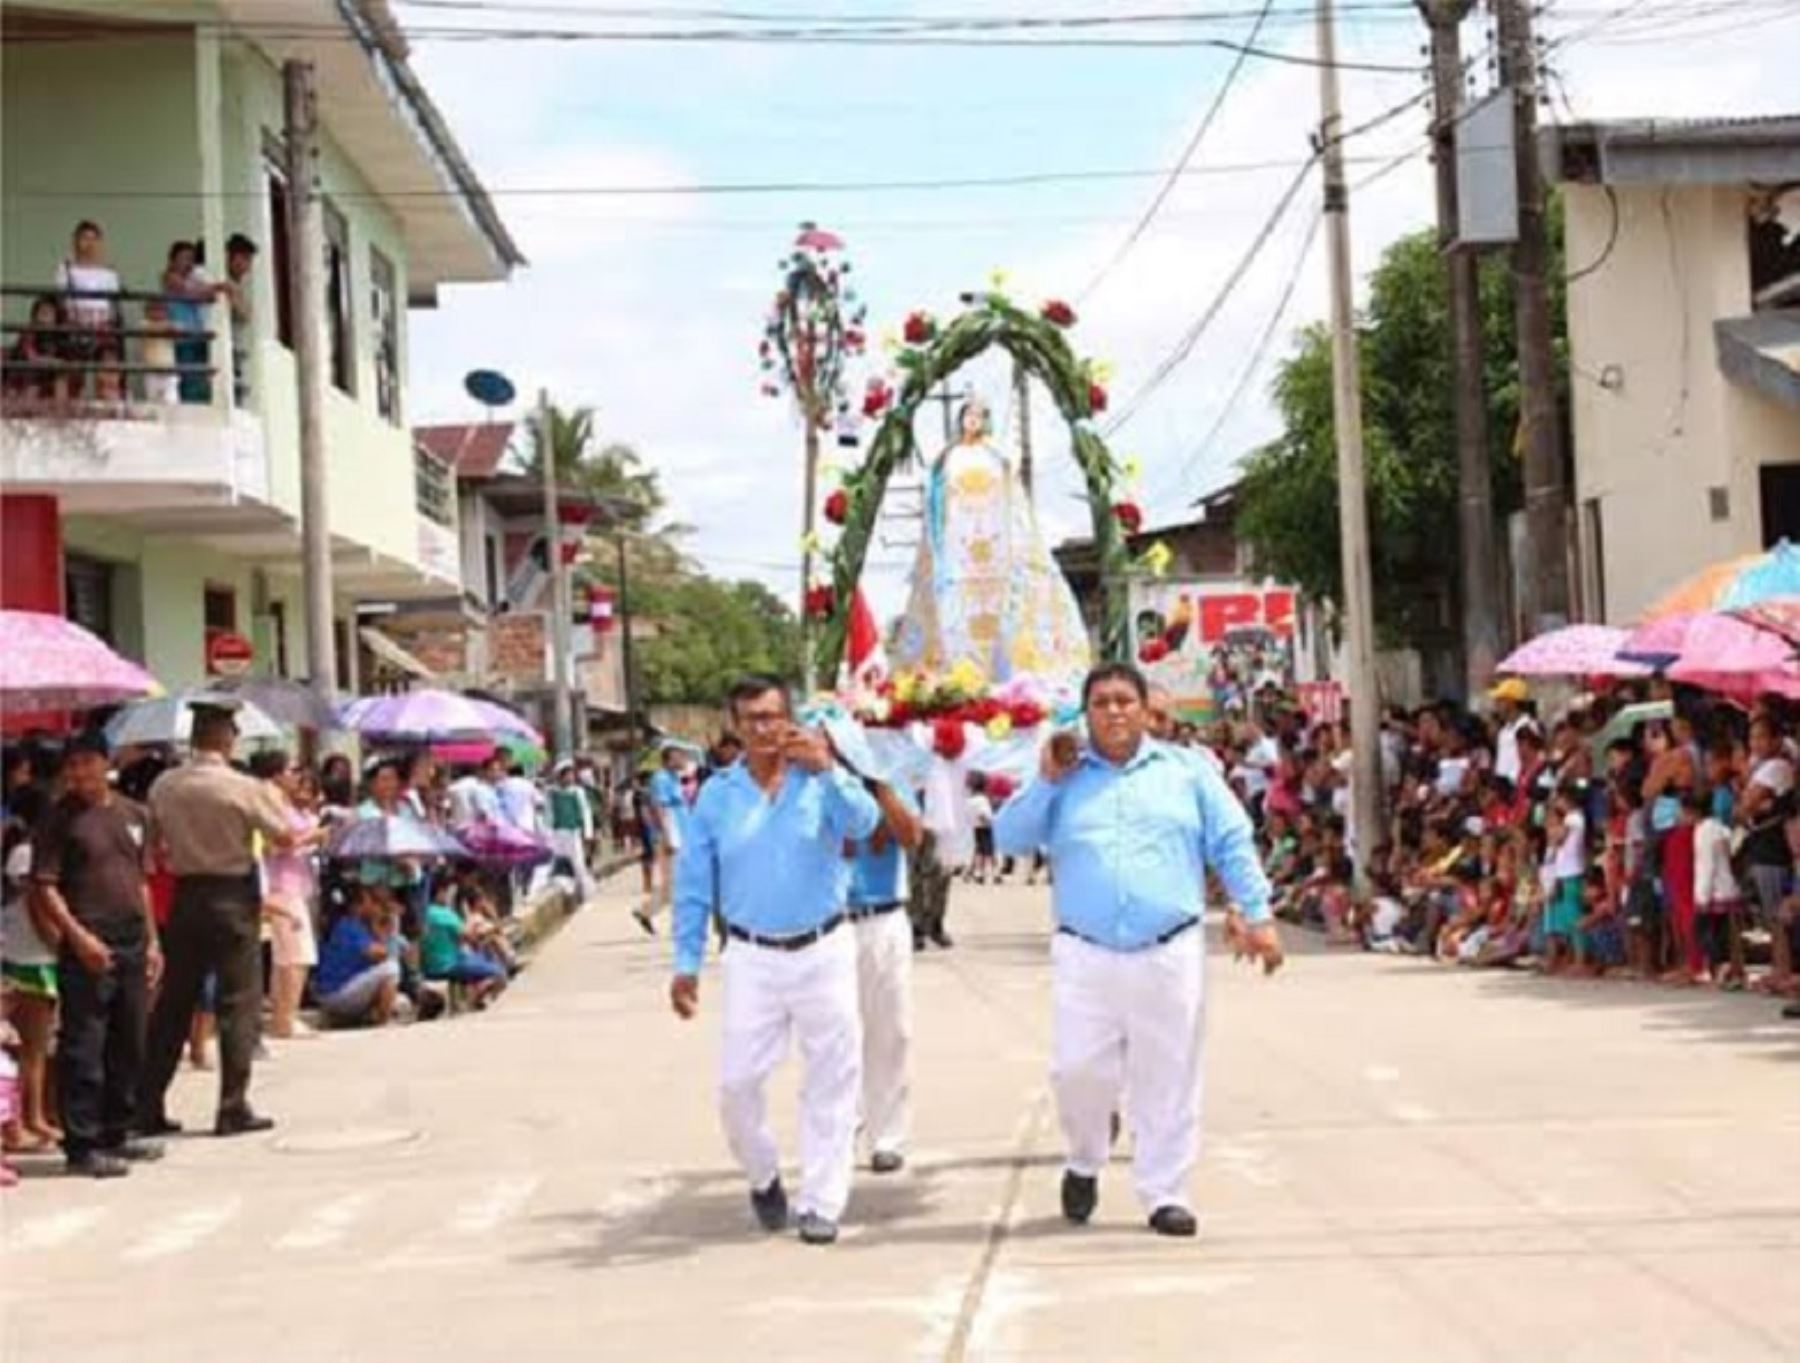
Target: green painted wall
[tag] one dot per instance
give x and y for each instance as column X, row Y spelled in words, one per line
column 129, row 106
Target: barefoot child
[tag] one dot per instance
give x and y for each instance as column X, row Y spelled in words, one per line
column 29, row 968
column 1565, row 875
column 1718, row 901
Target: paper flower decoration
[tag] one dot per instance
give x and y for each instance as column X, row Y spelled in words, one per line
column 1096, row 398
column 1130, row 517
column 809, row 542
column 1059, row 314
column 967, row 677
column 919, row 329
column 877, row 398
column 948, row 739
column 820, row 600
column 999, row 726
column 837, row 507
column 1157, row 558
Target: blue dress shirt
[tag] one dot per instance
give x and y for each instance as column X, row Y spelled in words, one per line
column 775, row 864
column 1129, row 844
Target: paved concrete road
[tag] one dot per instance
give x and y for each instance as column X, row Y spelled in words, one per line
column 1404, row 1163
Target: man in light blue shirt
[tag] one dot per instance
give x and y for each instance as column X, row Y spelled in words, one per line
column 1132, row 826
column 670, row 813
column 766, row 839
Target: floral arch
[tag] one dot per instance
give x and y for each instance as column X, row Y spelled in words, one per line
column 928, row 355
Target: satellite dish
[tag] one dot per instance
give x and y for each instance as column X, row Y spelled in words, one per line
column 489, row 387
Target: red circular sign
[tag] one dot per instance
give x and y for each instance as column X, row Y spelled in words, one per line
column 228, row 654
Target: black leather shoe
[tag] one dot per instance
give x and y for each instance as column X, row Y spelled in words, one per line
column 818, row 1230
column 157, row 1125
column 242, row 1122
column 1178, row 1221
column 941, row 938
column 771, row 1207
column 1079, row 1197
column 97, row 1164
column 135, row 1151
column 887, row 1162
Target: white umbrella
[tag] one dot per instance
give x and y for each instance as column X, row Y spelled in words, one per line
column 170, row 720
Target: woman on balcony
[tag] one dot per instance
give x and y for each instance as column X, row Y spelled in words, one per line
column 89, row 287
column 190, row 292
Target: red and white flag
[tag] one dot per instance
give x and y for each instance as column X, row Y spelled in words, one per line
column 863, row 653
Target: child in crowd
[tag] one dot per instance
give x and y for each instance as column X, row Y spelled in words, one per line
column 1718, row 901
column 161, row 388
column 1681, row 941
column 1599, row 940
column 447, row 952
column 28, row 966
column 1564, row 875
column 39, row 347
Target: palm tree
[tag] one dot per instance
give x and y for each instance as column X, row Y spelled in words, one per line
column 617, row 472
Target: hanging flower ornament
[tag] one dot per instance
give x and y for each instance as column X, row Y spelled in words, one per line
column 919, row 329
column 837, row 507
column 815, row 324
column 821, row 600
column 1059, row 314
column 1130, row 517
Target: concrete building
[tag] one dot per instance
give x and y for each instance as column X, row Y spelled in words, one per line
column 1683, row 246
column 167, row 520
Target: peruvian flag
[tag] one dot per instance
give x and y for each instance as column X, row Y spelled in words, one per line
column 863, row 653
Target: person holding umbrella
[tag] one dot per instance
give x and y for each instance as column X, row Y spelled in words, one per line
column 208, row 816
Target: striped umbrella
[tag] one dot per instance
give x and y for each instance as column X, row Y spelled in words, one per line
column 1734, row 584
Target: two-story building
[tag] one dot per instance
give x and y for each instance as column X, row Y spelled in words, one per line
column 162, row 508
column 1683, row 248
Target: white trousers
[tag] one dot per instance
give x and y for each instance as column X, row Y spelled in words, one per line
column 810, row 993
column 567, row 844
column 884, row 957
column 1131, row 1022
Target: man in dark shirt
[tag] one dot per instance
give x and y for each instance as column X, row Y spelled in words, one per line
column 88, row 863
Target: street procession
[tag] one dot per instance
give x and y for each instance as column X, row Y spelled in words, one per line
column 852, row 682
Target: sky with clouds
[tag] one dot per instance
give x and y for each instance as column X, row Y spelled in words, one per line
column 649, row 307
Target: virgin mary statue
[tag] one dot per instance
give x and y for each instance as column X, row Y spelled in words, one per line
column 984, row 587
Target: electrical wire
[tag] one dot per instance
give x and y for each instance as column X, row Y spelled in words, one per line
column 1187, row 156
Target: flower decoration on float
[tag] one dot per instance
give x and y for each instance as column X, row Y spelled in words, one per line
column 837, row 507
column 820, row 600
column 1157, row 559
column 1129, row 515
column 948, row 740
column 1059, row 314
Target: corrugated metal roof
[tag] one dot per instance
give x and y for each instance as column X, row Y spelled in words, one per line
column 1722, row 150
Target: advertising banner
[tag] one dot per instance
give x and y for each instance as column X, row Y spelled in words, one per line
column 1213, row 644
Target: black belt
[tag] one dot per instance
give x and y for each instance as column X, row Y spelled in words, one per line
column 861, row 912
column 1163, row 940
column 798, row 943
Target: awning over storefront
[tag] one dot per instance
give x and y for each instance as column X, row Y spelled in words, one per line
column 1762, row 351
column 393, row 655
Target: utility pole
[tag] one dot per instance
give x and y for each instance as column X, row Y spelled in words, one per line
column 306, row 299
column 1022, row 397
column 622, row 614
column 1475, row 502
column 562, row 736
column 1546, row 577
column 809, row 670
column 1353, row 500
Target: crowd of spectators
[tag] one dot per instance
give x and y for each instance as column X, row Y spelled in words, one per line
column 1643, row 832
column 78, row 344
column 359, row 942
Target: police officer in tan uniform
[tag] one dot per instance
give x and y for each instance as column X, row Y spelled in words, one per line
column 207, row 815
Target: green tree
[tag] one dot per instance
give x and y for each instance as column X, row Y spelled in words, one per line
column 1288, row 504
column 707, row 632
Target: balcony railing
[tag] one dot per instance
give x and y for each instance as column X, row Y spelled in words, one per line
column 116, row 355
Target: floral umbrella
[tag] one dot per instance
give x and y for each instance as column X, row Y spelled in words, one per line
column 1734, row 584
column 49, row 663
column 1573, row 651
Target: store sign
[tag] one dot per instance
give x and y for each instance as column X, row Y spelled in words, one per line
column 1213, row 645
column 229, row 654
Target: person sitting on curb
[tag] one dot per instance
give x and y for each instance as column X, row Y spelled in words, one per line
column 357, row 979
column 447, row 953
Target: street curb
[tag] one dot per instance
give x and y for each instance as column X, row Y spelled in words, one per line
column 544, row 916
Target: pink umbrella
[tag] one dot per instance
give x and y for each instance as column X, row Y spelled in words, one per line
column 1659, row 642
column 1724, row 653
column 49, row 663
column 818, row 239
column 1779, row 615
column 1573, row 651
